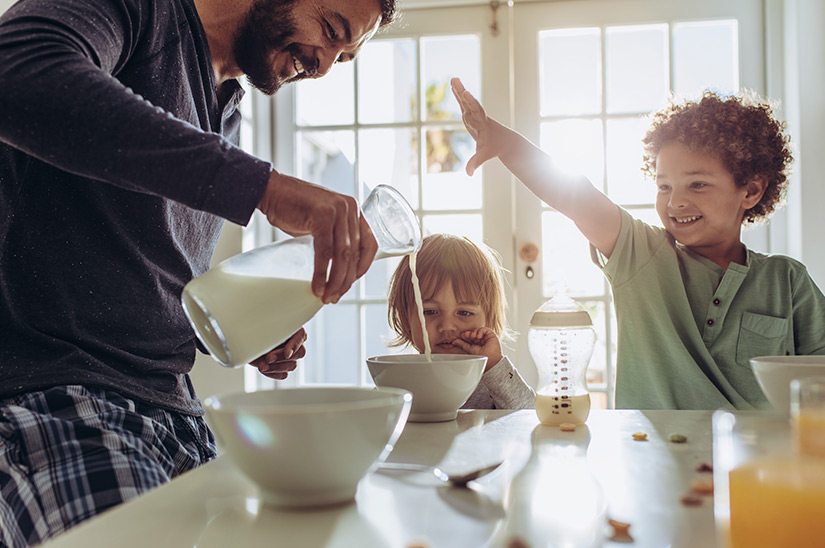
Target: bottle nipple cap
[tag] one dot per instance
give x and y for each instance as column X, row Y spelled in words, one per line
column 561, row 311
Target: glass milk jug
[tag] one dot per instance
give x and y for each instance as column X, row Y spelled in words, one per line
column 561, row 340
column 248, row 304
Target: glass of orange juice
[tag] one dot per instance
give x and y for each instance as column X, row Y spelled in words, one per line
column 808, row 415
column 766, row 494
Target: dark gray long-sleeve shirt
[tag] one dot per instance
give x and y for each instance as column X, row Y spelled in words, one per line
column 117, row 166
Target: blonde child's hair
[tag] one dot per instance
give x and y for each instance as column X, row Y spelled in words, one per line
column 474, row 272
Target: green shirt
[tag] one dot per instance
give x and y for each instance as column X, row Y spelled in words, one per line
column 687, row 328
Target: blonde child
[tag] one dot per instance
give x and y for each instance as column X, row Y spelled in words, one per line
column 693, row 304
column 464, row 308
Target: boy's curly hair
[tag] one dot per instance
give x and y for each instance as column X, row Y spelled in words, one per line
column 474, row 272
column 741, row 131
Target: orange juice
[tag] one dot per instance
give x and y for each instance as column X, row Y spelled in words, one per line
column 777, row 502
column 809, row 432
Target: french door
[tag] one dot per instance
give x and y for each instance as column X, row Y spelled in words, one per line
column 576, row 77
column 586, row 73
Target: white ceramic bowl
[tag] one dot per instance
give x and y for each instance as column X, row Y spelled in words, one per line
column 308, row 446
column 775, row 373
column 438, row 387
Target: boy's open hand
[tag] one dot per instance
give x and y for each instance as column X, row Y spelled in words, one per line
column 480, row 127
column 481, row 342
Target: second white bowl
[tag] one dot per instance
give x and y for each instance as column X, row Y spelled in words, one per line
column 439, row 387
column 775, row 373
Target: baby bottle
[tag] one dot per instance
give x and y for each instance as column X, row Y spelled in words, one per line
column 248, row 304
column 561, row 340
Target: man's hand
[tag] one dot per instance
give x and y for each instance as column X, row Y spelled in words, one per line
column 277, row 363
column 344, row 243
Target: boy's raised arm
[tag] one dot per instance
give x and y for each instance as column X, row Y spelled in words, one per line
column 573, row 195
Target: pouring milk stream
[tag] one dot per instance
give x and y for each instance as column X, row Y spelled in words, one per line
column 248, row 304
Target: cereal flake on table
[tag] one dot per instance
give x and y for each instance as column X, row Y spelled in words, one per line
column 621, row 531
column 517, row 542
column 702, row 486
column 567, row 427
column 678, row 438
column 704, row 467
column 691, row 500
column 639, row 436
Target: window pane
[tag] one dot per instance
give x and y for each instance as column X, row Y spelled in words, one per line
column 377, row 279
column 386, row 81
column 570, row 72
column 604, row 354
column 332, row 346
column 446, row 185
column 596, row 368
column 390, row 157
column 328, row 158
column 626, row 184
column 576, row 147
column 706, row 56
column 326, row 101
column 462, row 225
column 637, row 73
column 247, row 137
column 379, row 333
column 443, row 58
column 566, row 258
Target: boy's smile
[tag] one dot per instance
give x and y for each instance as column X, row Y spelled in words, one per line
column 700, row 205
column 446, row 319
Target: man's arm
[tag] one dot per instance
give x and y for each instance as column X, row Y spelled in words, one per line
column 60, row 103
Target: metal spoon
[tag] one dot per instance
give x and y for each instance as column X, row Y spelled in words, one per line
column 456, row 480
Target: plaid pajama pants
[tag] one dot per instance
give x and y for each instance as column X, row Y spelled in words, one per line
column 70, row 452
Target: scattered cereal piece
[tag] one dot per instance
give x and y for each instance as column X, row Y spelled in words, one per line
column 621, row 531
column 516, row 542
column 419, row 544
column 678, row 438
column 702, row 486
column 567, row 427
column 691, row 500
column 640, row 436
column 704, row 467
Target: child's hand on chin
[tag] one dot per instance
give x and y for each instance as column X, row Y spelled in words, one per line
column 481, row 341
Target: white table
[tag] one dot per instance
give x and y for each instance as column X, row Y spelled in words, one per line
column 642, row 481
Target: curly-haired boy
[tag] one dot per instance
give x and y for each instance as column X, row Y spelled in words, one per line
column 693, row 303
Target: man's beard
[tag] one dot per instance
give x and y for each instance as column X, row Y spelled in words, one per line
column 266, row 30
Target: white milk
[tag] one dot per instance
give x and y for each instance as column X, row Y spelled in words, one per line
column 555, row 410
column 419, row 304
column 254, row 313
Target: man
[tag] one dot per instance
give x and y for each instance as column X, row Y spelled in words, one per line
column 118, row 163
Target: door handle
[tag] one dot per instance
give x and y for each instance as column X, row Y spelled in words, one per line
column 529, row 252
